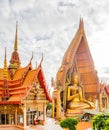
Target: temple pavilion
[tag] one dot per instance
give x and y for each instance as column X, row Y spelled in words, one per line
column 23, row 91
column 77, row 58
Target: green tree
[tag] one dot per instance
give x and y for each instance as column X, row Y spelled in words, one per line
column 107, row 125
column 49, row 106
column 69, row 123
column 100, row 122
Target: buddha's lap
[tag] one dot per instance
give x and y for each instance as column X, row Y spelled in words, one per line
column 78, row 104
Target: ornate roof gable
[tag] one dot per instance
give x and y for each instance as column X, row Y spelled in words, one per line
column 38, row 86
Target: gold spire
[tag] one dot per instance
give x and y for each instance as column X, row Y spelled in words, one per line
column 5, row 66
column 16, row 39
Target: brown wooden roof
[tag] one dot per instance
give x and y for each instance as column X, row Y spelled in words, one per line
column 78, row 57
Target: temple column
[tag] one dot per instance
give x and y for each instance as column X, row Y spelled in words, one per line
column 97, row 104
column 0, row 119
column 58, row 105
column 24, row 116
column 52, row 108
column 44, row 113
column 100, row 102
column 107, row 104
column 16, row 118
column 44, row 110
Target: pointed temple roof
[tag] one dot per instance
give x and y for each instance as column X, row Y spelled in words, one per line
column 78, row 58
column 104, row 87
column 19, row 91
column 15, row 54
column 22, row 82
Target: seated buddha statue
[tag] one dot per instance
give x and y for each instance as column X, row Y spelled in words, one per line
column 75, row 96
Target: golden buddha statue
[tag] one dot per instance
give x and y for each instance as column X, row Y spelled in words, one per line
column 75, row 96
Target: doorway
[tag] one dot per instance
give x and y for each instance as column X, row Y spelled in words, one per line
column 4, row 119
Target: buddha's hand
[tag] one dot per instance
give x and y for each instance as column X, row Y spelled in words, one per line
column 91, row 104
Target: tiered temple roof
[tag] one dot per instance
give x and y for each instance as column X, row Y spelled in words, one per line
column 20, row 81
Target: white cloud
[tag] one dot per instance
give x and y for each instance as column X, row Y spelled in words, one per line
column 48, row 27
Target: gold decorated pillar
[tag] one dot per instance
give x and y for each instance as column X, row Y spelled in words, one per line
column 0, row 119
column 24, row 116
column 53, row 108
column 44, row 111
column 16, row 118
column 100, row 102
column 56, row 104
column 107, row 104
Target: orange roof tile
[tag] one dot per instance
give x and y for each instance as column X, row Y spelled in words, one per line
column 14, row 98
column 20, row 72
column 20, row 91
column 30, row 77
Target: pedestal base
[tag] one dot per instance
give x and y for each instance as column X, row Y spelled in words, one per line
column 73, row 113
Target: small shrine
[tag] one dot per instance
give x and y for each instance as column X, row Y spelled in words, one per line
column 23, row 91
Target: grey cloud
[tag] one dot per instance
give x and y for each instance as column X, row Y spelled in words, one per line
column 44, row 37
column 66, row 4
column 105, row 70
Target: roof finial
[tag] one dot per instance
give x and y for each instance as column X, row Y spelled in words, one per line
column 16, row 38
column 81, row 23
column 41, row 59
column 5, row 66
column 31, row 57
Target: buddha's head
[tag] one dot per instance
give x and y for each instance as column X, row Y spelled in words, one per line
column 75, row 79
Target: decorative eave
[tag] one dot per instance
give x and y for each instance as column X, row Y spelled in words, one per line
column 43, row 83
column 10, row 102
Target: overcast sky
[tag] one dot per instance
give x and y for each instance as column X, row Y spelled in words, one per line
column 48, row 26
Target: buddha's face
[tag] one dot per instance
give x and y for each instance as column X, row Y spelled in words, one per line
column 75, row 79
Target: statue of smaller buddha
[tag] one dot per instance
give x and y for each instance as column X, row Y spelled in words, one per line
column 75, row 96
